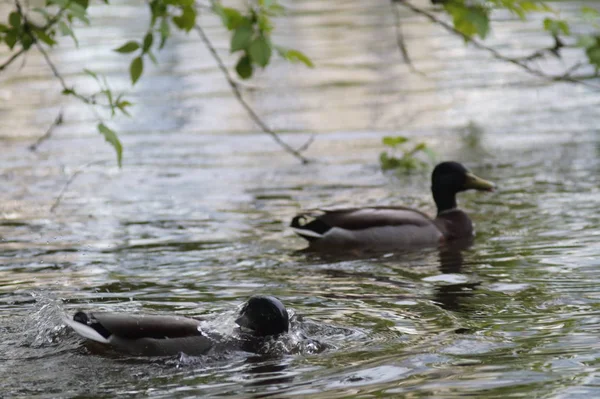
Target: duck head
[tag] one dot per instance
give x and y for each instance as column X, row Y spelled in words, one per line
column 264, row 315
column 450, row 178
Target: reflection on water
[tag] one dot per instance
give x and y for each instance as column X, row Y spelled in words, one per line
column 196, row 220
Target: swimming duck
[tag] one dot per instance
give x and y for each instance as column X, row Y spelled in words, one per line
column 155, row 335
column 389, row 227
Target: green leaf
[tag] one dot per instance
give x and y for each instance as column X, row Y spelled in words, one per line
column 264, row 23
column 148, row 40
column 136, row 69
column 26, row 41
column 260, row 51
column 297, row 56
column 586, row 41
column 11, row 38
column 244, row 67
column 113, row 139
column 42, row 11
column 4, row 28
column 83, row 3
column 469, row 20
column 122, row 105
column 14, row 19
column 593, row 54
column 590, row 12
column 556, row 26
column 91, row 73
column 394, row 141
column 186, row 20
column 152, row 57
column 66, row 31
column 231, row 17
column 128, row 47
column 242, row 37
column 165, row 32
column 40, row 34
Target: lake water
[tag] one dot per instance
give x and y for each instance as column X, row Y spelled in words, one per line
column 196, row 220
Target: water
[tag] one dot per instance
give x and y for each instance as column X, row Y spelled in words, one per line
column 195, row 222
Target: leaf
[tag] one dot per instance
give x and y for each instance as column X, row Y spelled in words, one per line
column 14, row 19
column 148, row 40
column 186, row 20
column 297, row 56
column 231, row 17
column 555, row 26
column 260, row 51
column 394, row 141
column 66, row 31
column 4, row 28
column 26, row 41
column 10, row 38
column 593, row 54
column 430, row 154
column 40, row 34
column 91, row 73
column 128, row 47
column 152, row 57
column 78, row 11
column 113, row 139
column 242, row 37
column 83, row 3
column 586, row 41
column 244, row 67
column 469, row 20
column 136, row 69
column 590, row 12
column 165, row 32
column 264, row 23
column 122, row 105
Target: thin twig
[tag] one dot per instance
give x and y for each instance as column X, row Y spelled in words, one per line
column 305, row 146
column 495, row 53
column 48, row 25
column 46, row 136
column 70, row 180
column 12, row 58
column 401, row 41
column 238, row 94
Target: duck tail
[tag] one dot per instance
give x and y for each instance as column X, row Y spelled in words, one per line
column 310, row 230
column 88, row 327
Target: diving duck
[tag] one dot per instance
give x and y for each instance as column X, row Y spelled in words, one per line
column 395, row 227
column 156, row 335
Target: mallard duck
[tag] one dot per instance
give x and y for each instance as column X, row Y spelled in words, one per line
column 155, row 335
column 389, row 227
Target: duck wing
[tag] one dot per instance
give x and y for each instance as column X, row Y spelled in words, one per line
column 104, row 326
column 314, row 224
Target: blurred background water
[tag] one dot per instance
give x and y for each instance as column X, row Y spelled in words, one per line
column 195, row 222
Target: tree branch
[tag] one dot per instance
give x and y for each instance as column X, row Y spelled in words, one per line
column 46, row 136
column 521, row 63
column 12, row 58
column 401, row 41
column 71, row 179
column 238, row 94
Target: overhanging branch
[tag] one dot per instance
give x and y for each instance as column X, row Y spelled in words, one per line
column 253, row 115
column 520, row 62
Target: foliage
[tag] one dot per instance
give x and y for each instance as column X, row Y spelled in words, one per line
column 472, row 18
column 250, row 29
column 411, row 156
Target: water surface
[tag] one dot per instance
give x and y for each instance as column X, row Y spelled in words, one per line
column 195, row 222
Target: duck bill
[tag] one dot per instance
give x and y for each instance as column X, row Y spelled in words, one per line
column 243, row 321
column 477, row 183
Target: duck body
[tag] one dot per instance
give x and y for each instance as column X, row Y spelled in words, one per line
column 395, row 227
column 157, row 335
